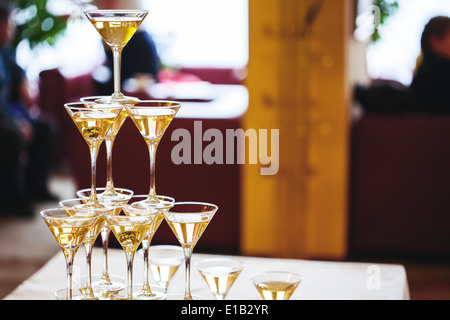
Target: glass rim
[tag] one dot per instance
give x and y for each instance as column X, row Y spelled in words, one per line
column 71, row 199
column 213, row 207
column 141, row 11
column 66, row 216
column 298, row 276
column 145, row 196
column 99, row 98
column 240, row 264
column 166, row 246
column 166, row 104
column 126, row 217
column 85, row 105
column 99, row 211
column 118, row 189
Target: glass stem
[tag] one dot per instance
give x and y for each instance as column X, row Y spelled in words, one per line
column 69, row 255
column 152, row 147
column 145, row 248
column 105, row 237
column 109, row 141
column 130, row 257
column 187, row 278
column 117, row 61
column 89, row 292
column 94, row 153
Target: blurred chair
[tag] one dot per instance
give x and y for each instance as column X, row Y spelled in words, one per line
column 400, row 186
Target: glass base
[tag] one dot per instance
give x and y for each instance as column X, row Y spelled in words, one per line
column 113, row 197
column 110, row 288
column 181, row 296
column 140, row 295
column 103, row 289
column 149, row 205
column 61, row 294
column 121, row 100
column 145, row 295
column 119, row 195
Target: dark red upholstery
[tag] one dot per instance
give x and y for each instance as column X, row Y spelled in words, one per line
column 217, row 75
column 218, row 184
column 400, row 186
column 54, row 91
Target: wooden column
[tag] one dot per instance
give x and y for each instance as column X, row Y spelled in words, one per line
column 297, row 80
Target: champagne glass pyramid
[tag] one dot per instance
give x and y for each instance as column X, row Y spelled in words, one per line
column 188, row 221
column 116, row 27
column 69, row 232
column 93, row 122
column 152, row 118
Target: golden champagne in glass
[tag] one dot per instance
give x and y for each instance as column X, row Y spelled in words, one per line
column 164, row 261
column 219, row 274
column 188, row 221
column 276, row 285
column 93, row 122
column 152, row 118
column 69, row 232
column 116, row 27
column 130, row 231
column 110, row 190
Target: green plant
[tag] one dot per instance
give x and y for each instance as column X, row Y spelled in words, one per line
column 35, row 23
column 387, row 9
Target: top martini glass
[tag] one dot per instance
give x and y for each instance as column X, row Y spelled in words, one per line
column 116, row 27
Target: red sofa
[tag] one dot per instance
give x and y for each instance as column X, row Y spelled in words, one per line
column 219, row 184
column 400, row 186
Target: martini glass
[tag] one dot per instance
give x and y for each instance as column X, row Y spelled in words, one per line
column 188, row 221
column 130, row 231
column 93, row 122
column 116, row 27
column 146, row 292
column 69, row 232
column 106, row 284
column 164, row 261
column 152, row 118
column 76, row 207
column 219, row 274
column 110, row 137
column 276, row 285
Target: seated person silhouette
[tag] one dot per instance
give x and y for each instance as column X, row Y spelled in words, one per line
column 26, row 141
column 431, row 81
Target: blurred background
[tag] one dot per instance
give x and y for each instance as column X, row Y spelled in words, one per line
column 362, row 173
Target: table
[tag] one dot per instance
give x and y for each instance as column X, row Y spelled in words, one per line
column 203, row 100
column 323, row 280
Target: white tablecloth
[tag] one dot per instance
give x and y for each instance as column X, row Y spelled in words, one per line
column 321, row 280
